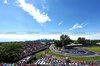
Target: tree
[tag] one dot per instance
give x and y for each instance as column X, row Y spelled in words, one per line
column 47, row 42
column 81, row 40
column 9, row 52
column 0, row 43
column 65, row 40
column 88, row 41
column 58, row 43
column 95, row 41
column 75, row 42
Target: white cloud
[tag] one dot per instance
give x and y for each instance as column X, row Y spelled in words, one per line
column 50, row 37
column 60, row 23
column 5, row 1
column 43, row 7
column 91, row 36
column 40, row 17
column 78, row 26
column 97, row 34
column 15, row 37
column 75, row 37
column 44, row 1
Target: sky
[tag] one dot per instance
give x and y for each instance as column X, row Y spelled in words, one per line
column 22, row 20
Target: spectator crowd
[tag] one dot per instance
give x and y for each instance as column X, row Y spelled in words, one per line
column 31, row 47
column 26, row 59
column 27, row 52
column 57, row 61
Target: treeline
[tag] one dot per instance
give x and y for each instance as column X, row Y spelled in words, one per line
column 65, row 40
column 9, row 52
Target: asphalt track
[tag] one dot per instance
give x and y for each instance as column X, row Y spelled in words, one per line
column 88, row 54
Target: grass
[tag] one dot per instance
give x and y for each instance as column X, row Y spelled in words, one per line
column 51, row 53
column 55, row 47
column 96, row 49
column 39, row 54
column 33, row 61
column 75, row 58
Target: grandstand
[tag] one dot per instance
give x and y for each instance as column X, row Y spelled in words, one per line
column 28, row 53
column 29, row 49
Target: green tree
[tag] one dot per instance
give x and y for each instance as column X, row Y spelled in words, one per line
column 0, row 43
column 47, row 42
column 58, row 43
column 76, row 42
column 93, row 42
column 65, row 39
column 9, row 52
column 87, row 41
column 81, row 40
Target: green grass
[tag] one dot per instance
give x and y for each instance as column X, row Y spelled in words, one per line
column 33, row 61
column 75, row 58
column 96, row 49
column 55, row 47
column 51, row 53
column 39, row 54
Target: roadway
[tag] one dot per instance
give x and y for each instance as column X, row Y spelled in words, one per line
column 88, row 54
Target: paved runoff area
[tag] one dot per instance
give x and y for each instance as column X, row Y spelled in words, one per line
column 74, row 52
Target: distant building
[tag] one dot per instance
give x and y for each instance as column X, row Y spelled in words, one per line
column 98, row 44
column 74, row 45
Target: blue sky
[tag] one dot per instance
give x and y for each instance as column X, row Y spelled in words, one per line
column 49, row 16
